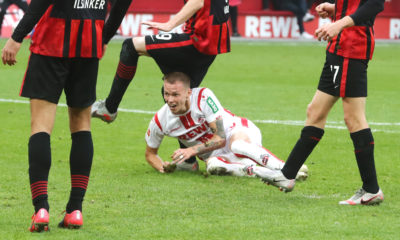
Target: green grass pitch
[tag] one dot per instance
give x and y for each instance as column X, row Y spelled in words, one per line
column 263, row 81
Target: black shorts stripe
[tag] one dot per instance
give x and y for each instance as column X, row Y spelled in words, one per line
column 67, row 34
column 94, row 39
column 228, row 42
column 368, row 33
column 79, row 40
column 219, row 39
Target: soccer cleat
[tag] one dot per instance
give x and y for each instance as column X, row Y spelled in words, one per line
column 99, row 110
column 302, row 175
column 40, row 221
column 363, row 197
column 72, row 220
column 191, row 167
column 277, row 179
column 308, row 17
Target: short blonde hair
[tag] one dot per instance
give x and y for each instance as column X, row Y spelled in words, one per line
column 177, row 77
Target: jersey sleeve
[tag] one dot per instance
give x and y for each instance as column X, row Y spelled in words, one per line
column 35, row 11
column 367, row 11
column 210, row 105
column 154, row 135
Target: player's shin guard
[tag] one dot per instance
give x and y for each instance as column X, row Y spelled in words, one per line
column 258, row 154
column 125, row 72
column 80, row 163
column 310, row 137
column 218, row 166
column 363, row 142
column 39, row 167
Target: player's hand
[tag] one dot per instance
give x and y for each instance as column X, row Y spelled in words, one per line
column 165, row 27
column 328, row 31
column 181, row 155
column 325, row 10
column 168, row 167
column 9, row 52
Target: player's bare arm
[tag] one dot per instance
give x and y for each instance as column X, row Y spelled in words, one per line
column 218, row 140
column 331, row 30
column 154, row 160
column 187, row 11
column 325, row 10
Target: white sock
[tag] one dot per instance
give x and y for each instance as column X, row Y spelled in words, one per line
column 257, row 153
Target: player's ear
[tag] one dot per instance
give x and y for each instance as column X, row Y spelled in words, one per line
column 189, row 91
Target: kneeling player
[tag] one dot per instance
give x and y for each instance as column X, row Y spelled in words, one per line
column 229, row 144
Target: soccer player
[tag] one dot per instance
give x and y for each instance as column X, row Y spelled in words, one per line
column 206, row 34
column 229, row 144
column 69, row 40
column 4, row 5
column 350, row 46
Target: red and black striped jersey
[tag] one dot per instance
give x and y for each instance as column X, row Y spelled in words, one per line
column 358, row 41
column 208, row 27
column 70, row 28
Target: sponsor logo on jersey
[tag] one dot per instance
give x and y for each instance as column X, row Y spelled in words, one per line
column 89, row 4
column 212, row 105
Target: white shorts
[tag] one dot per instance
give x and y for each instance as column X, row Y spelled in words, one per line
column 242, row 125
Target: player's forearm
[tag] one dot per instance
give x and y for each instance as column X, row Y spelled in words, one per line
column 190, row 8
column 32, row 16
column 155, row 161
column 345, row 22
column 214, row 143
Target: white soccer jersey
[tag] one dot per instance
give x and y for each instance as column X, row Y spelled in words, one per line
column 191, row 128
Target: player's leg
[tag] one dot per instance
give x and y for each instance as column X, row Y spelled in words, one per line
column 128, row 59
column 80, row 91
column 3, row 10
column 354, row 102
column 221, row 166
column 311, row 134
column 22, row 4
column 43, row 84
column 39, row 155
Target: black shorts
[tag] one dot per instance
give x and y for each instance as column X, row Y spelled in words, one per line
column 46, row 77
column 175, row 52
column 344, row 77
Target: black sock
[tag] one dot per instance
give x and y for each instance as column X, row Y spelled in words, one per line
column 80, row 163
column 310, row 137
column 125, row 72
column 363, row 142
column 39, row 167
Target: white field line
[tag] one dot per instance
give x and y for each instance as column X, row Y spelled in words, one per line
column 330, row 124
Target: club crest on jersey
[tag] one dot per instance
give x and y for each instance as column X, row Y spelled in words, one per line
column 212, row 105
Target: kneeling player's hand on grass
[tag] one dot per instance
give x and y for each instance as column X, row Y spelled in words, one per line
column 182, row 154
column 169, row 167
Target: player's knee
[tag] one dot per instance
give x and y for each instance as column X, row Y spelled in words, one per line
column 128, row 51
column 238, row 146
column 314, row 114
column 354, row 122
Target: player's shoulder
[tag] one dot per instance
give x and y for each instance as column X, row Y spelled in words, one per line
column 161, row 116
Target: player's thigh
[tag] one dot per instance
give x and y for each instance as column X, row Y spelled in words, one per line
column 140, row 46
column 80, row 87
column 246, row 131
column 44, row 78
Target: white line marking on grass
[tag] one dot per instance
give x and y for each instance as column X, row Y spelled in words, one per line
column 330, row 124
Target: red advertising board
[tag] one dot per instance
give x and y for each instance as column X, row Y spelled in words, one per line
column 253, row 22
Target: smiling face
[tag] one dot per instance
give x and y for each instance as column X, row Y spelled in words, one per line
column 177, row 96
